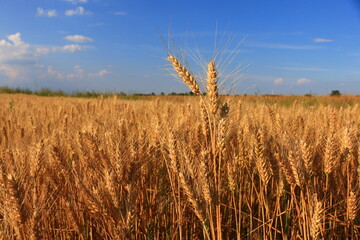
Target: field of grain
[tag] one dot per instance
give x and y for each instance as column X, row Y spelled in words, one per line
column 201, row 167
column 179, row 168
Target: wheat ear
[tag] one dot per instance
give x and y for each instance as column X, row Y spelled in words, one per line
column 352, row 206
column 212, row 87
column 262, row 163
column 330, row 154
column 13, row 206
column 185, row 75
column 316, row 220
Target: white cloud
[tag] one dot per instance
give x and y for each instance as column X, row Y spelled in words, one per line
column 78, row 69
column 67, row 48
column 303, row 81
column 4, row 43
column 80, row 11
column 279, row 81
column 43, row 50
column 73, row 48
column 78, row 73
column 78, row 38
column 20, row 61
column 10, row 72
column 322, row 40
column 103, row 72
column 51, row 13
column 77, row 1
column 40, row 11
column 120, row 13
column 51, row 72
column 16, row 57
column 14, row 49
column 48, row 13
column 16, row 39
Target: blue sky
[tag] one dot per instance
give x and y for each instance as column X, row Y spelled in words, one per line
column 287, row 47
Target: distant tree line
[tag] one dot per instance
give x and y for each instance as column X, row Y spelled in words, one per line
column 94, row 94
column 85, row 94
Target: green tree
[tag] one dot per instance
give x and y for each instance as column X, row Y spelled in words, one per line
column 335, row 93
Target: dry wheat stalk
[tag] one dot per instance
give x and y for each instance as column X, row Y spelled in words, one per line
column 172, row 153
column 221, row 148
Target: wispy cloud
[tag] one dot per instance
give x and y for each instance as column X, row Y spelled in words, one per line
column 257, row 78
column 79, row 11
column 303, row 81
column 278, row 81
column 78, row 73
column 354, row 54
column 99, row 24
column 62, row 32
column 77, row 1
column 354, row 72
column 67, row 48
column 120, row 13
column 282, row 46
column 322, row 40
column 102, row 73
column 51, row 72
column 78, row 38
column 309, row 69
column 48, row 13
column 73, row 48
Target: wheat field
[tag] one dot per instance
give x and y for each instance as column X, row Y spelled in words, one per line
column 199, row 167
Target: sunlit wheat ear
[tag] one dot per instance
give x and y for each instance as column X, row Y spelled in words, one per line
column 185, row 75
column 331, row 150
column 352, row 206
column 294, row 168
column 204, row 182
column 13, row 205
column 306, row 156
column 286, row 171
column 205, row 120
column 262, row 163
column 316, row 220
column 212, row 87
